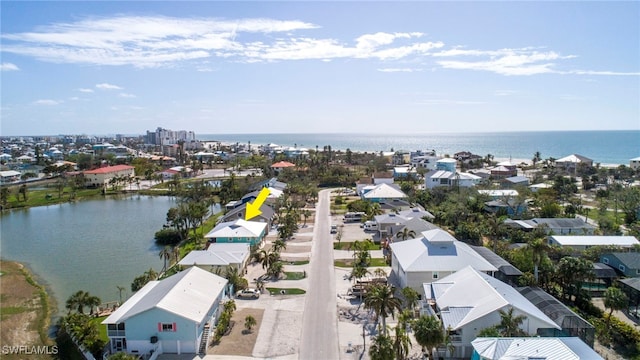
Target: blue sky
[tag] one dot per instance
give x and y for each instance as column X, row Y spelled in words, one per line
column 304, row 67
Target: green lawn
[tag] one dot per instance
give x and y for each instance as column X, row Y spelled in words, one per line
column 278, row 291
column 102, row 329
column 377, row 262
column 294, row 275
column 349, row 245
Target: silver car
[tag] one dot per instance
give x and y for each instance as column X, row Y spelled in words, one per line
column 248, row 294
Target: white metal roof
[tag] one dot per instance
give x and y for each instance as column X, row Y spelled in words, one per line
column 237, row 228
column 496, row 193
column 561, row 348
column 451, row 293
column 218, row 254
column 189, row 294
column 436, row 250
column 595, row 240
column 573, row 158
column 384, row 191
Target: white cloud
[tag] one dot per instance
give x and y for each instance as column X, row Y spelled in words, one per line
column 84, row 90
column 160, row 41
column 47, row 102
column 125, row 95
column 74, row 98
column 9, row 67
column 107, row 86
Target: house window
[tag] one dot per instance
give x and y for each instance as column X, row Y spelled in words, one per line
column 435, row 275
column 167, row 327
column 622, row 268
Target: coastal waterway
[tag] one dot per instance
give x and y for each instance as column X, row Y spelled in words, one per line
column 93, row 245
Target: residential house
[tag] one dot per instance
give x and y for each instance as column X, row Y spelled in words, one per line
column 9, row 176
column 173, row 315
column 514, row 181
column 555, row 226
column 565, row 348
column 506, row 272
column 238, row 231
column 382, row 177
column 537, row 187
column 510, row 207
column 631, row 287
column 219, row 257
column 626, row 263
column 281, row 165
column 470, row 300
column 446, row 178
column 433, row 256
column 404, row 173
column 383, row 193
column 447, row 164
column 426, row 161
column 635, row 163
column 100, row 177
column 391, row 223
column 176, row 171
column 572, row 162
column 271, row 198
column 570, row 323
column 580, row 243
column 266, row 215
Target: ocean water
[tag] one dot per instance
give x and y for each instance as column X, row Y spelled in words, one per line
column 605, row 147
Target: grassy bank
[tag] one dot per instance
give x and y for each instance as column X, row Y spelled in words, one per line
column 25, row 310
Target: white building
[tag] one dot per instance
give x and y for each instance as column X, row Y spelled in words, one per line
column 469, row 301
column 431, row 257
column 585, row 242
column 450, row 179
column 219, row 257
column 556, row 348
column 100, row 177
column 635, row 163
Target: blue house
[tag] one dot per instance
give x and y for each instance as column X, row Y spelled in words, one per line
column 238, row 231
column 626, row 263
column 172, row 316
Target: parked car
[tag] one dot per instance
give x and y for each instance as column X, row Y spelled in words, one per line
column 248, row 293
column 334, row 229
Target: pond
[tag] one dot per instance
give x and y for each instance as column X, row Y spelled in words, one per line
column 93, row 245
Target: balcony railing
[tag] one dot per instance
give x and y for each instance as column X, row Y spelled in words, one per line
column 114, row 333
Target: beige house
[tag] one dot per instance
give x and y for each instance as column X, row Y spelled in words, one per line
column 100, row 177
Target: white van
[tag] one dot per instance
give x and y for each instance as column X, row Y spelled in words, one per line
column 370, row 226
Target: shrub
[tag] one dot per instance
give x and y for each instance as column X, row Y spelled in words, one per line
column 167, row 237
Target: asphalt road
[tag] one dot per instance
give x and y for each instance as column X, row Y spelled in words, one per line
column 319, row 338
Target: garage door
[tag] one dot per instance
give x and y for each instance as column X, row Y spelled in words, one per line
column 170, row 346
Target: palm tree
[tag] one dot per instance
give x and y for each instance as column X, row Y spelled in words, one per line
column 275, row 269
column 165, row 255
column 229, row 306
column 120, row 290
column 380, row 299
column 510, row 324
column 278, row 246
column 536, row 158
column 401, row 342
column 381, row 348
column 538, row 250
column 358, row 272
column 410, row 298
column 405, row 234
column 91, row 301
column 249, row 322
column 305, row 215
column 614, row 299
column 428, row 332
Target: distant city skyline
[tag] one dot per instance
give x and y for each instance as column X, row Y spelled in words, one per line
column 318, row 67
